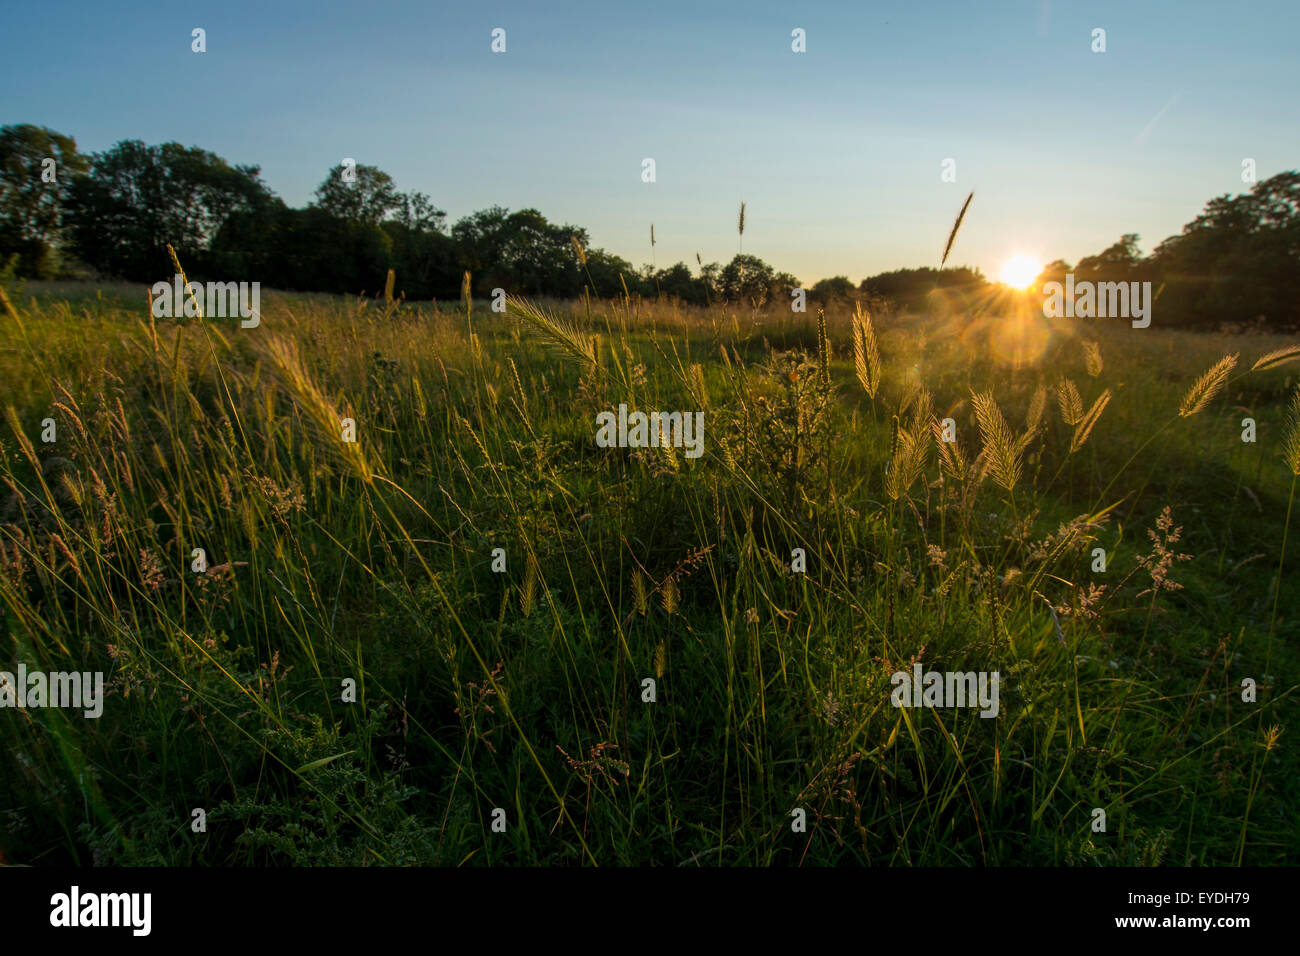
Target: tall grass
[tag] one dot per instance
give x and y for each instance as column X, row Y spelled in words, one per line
column 523, row 689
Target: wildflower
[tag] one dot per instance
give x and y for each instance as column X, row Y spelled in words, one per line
column 1162, row 556
column 151, row 572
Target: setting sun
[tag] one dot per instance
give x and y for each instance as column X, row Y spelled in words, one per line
column 1020, row 271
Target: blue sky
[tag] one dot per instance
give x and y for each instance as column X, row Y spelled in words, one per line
column 836, row 151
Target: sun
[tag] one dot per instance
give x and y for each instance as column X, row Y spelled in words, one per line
column 1020, row 271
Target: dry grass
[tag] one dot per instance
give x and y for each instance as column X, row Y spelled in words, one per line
column 866, row 354
column 1000, row 445
column 1207, row 386
column 1084, row 428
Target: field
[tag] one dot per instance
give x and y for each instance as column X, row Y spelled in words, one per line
column 342, row 677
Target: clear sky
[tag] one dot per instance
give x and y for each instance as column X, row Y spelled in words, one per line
column 837, row 151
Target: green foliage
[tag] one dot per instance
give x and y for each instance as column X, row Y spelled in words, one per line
column 836, row 289
column 368, row 196
column 137, row 199
column 33, row 194
column 522, row 690
column 1237, row 261
column 750, row 280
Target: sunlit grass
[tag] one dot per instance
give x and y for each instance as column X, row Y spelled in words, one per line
column 523, row 689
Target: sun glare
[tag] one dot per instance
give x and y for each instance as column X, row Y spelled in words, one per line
column 1020, row 271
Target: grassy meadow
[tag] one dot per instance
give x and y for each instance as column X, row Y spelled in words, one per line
column 522, row 689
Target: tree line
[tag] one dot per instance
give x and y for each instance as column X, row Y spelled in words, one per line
column 115, row 212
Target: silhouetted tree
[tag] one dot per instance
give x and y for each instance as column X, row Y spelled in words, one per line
column 1117, row 263
column 912, row 289
column 520, row 252
column 828, row 290
column 33, row 193
column 1238, row 262
column 1054, row 271
column 371, row 196
column 136, row 199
